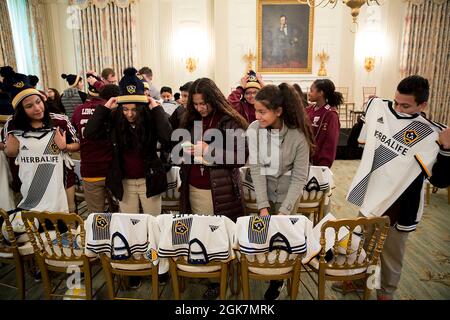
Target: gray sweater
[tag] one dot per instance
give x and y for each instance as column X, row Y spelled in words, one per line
column 281, row 175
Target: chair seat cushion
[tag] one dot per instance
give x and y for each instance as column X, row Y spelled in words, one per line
column 314, row 263
column 26, row 248
column 133, row 267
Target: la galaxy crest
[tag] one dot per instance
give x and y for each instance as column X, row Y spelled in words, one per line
column 101, row 222
column 181, row 228
column 410, row 136
column 131, row 89
column 19, row 84
column 258, row 224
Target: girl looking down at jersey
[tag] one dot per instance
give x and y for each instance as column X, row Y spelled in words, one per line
column 282, row 124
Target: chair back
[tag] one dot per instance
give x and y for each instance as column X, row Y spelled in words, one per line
column 170, row 200
column 367, row 92
column 251, row 206
column 344, row 92
column 359, row 249
column 64, row 243
column 8, row 245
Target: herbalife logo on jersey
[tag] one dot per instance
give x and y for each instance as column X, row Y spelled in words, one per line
column 41, row 159
column 391, row 143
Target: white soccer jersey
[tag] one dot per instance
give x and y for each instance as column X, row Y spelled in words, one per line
column 397, row 148
column 293, row 234
column 6, row 195
column 41, row 172
column 199, row 238
column 122, row 235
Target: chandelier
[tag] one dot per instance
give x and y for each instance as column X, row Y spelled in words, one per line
column 355, row 5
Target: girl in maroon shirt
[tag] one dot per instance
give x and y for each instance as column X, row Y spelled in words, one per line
column 324, row 120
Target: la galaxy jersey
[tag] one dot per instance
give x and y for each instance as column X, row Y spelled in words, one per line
column 258, row 235
column 200, row 239
column 398, row 147
column 41, row 171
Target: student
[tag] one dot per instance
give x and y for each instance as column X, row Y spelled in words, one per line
column 176, row 116
column 303, row 97
column 95, row 155
column 147, row 73
column 177, row 98
column 54, row 101
column 109, row 76
column 243, row 97
column 214, row 187
column 72, row 96
column 134, row 123
column 35, row 133
column 402, row 144
column 169, row 105
column 324, row 121
column 282, row 119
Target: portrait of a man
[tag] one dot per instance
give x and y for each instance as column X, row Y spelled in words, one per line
column 284, row 37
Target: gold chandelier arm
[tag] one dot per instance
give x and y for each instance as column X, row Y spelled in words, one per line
column 319, row 3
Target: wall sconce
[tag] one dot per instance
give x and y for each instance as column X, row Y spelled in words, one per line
column 191, row 64
column 369, row 63
column 249, row 58
column 323, row 57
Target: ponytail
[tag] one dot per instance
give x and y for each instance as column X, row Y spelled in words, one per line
column 332, row 97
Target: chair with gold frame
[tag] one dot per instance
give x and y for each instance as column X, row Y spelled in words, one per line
column 352, row 256
column 170, row 200
column 129, row 267
column 313, row 203
column 181, row 269
column 53, row 255
column 271, row 266
column 251, row 206
column 347, row 106
column 14, row 253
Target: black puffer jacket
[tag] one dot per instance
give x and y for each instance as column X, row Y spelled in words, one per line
column 103, row 124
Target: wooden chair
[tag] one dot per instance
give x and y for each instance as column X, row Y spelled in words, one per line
column 276, row 265
column 313, row 203
column 14, row 253
column 347, row 106
column 251, row 207
column 131, row 267
column 57, row 257
column 367, row 93
column 180, row 269
column 431, row 189
column 171, row 198
column 353, row 255
column 79, row 192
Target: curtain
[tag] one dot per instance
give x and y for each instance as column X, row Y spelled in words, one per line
column 426, row 51
column 36, row 18
column 7, row 57
column 107, row 36
column 27, row 58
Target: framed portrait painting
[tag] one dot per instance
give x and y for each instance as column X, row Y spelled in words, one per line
column 285, row 36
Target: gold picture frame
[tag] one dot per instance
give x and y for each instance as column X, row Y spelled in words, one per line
column 286, row 49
